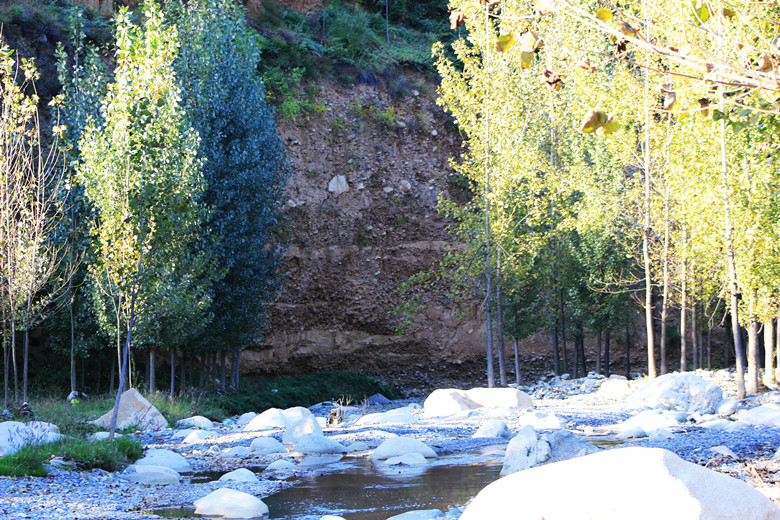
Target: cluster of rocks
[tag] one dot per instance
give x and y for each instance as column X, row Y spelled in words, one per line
column 543, row 447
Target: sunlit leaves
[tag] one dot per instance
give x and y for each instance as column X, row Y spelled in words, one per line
column 604, row 14
column 701, row 12
column 505, row 42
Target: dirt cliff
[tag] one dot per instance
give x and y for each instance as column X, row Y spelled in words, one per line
column 361, row 217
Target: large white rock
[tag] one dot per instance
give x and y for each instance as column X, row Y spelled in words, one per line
column 134, row 410
column 16, row 435
column 685, row 392
column 616, row 485
column 448, row 401
column 299, row 421
column 409, row 459
column 239, row 475
column 314, row 443
column 236, row 452
column 197, row 436
column 397, row 446
column 281, row 466
column 168, row 458
column 150, row 475
column 541, row 420
column 524, row 451
column 493, row 428
column 266, row 446
column 764, row 415
column 563, row 445
column 229, row 503
column 271, row 419
column 650, row 420
column 728, row 407
column 616, row 389
column 399, row 415
column 500, row 398
column 246, row 418
column 196, row 421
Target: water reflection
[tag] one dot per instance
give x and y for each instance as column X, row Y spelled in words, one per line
column 361, row 490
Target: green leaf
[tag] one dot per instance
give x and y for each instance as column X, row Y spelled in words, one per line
column 604, row 14
column 610, row 126
column 701, row 13
column 592, row 120
column 525, row 60
column 504, row 43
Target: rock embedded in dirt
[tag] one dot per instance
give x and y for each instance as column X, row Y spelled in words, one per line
column 196, row 421
column 168, row 458
column 614, row 485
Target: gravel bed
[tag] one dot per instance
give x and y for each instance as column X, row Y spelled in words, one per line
column 93, row 495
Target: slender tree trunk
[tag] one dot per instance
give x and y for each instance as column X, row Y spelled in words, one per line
column 556, row 355
column 769, row 352
column 202, row 372
column 13, row 361
column 387, row 21
column 694, row 329
column 500, row 324
column 606, row 353
column 598, row 353
column 517, row 362
column 753, row 358
column 651, row 371
column 238, row 367
column 72, row 346
column 684, row 307
column 152, row 370
column 183, row 373
column 172, row 389
column 709, row 347
column 491, row 379
column 777, row 340
column 6, row 386
column 563, row 333
column 665, row 299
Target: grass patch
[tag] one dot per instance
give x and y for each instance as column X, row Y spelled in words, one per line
column 107, row 455
column 184, row 406
column 261, row 394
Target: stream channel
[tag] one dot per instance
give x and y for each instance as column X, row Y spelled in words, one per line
column 358, row 489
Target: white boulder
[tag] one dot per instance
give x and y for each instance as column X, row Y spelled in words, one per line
column 685, row 392
column 448, row 401
column 280, row 466
column 266, row 446
column 136, row 411
column 314, row 443
column 493, row 428
column 168, row 458
column 245, row 418
column 338, row 185
column 271, row 419
column 764, row 415
column 236, row 452
column 197, row 436
column 396, row 446
column 563, row 445
column 150, row 475
column 239, row 475
column 196, row 421
column 299, row 421
column 229, row 503
column 614, row 389
column 727, row 407
column 524, row 451
column 614, row 485
column 650, row 420
column 541, row 420
column 399, row 415
column 16, row 435
column 500, row 398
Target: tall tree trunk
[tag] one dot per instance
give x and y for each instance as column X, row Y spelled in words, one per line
column 172, row 389
column 694, row 328
column 13, row 361
column 651, row 371
column 563, row 332
column 606, row 353
column 684, row 307
column 72, row 345
column 665, row 299
column 6, row 386
column 152, row 375
column 517, row 362
column 556, row 355
column 113, row 372
column 753, row 360
column 491, row 379
column 500, row 323
column 598, row 353
column 238, row 367
column 769, row 352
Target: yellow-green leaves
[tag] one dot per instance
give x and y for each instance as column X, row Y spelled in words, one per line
column 627, row 29
column 701, row 13
column 528, row 43
column 604, row 14
column 599, row 123
column 505, row 42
